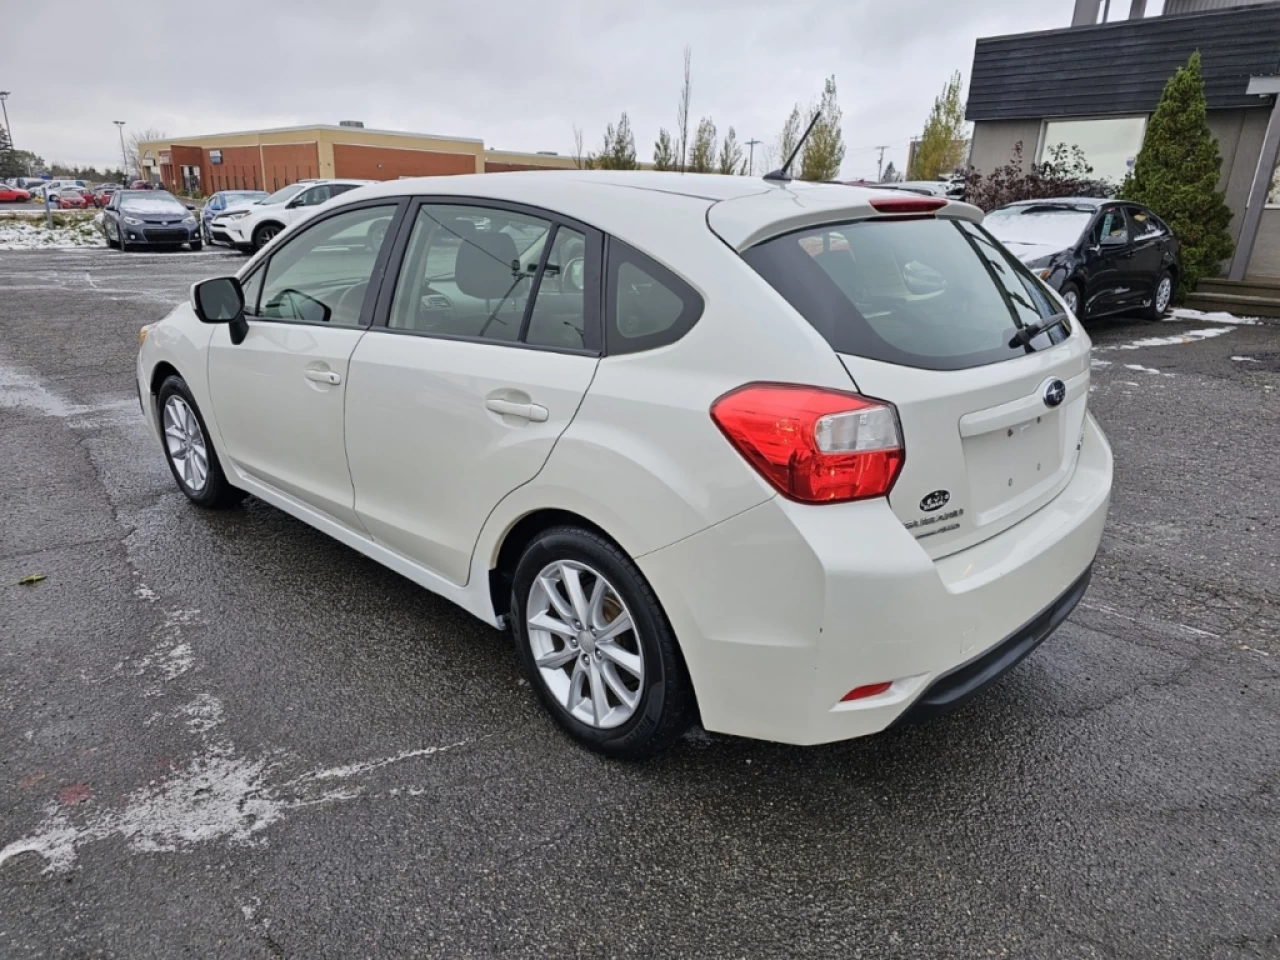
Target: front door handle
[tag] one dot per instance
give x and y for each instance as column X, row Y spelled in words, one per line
column 324, row 376
column 509, row 408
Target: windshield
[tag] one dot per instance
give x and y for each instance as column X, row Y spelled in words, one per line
column 1038, row 225
column 928, row 293
column 285, row 194
column 231, row 198
column 160, row 204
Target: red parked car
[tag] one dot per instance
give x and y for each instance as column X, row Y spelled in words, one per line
column 10, row 194
column 103, row 196
column 71, row 198
column 140, row 185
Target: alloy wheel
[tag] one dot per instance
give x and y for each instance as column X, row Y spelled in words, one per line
column 1072, row 301
column 585, row 645
column 1164, row 293
column 186, row 444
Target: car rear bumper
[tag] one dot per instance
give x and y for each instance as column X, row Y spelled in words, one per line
column 785, row 608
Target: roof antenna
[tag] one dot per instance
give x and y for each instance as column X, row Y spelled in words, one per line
column 783, row 175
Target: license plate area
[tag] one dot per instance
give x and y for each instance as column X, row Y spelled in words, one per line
column 1014, row 464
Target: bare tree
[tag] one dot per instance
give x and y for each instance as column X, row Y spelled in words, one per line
column 578, row 156
column 682, row 109
column 134, row 142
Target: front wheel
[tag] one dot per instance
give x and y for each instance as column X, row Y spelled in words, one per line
column 263, row 235
column 187, row 449
column 597, row 645
column 196, row 246
column 1162, row 297
column 1070, row 294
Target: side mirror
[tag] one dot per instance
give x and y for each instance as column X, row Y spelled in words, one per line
column 190, row 206
column 295, row 202
column 221, row 300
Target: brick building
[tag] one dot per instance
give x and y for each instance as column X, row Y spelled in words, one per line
column 270, row 159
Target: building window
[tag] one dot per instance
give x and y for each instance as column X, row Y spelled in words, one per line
column 1110, row 146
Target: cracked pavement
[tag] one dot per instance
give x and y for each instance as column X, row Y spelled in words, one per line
column 226, row 735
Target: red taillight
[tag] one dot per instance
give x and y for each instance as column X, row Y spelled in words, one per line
column 814, row 445
column 866, row 690
column 907, row 204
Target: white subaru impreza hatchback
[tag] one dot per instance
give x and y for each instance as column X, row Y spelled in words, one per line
column 800, row 460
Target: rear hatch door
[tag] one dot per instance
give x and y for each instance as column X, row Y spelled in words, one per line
column 936, row 317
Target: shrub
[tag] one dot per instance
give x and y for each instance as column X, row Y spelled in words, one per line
column 1064, row 174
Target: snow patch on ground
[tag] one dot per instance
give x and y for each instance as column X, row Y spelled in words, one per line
column 1182, row 314
column 1245, row 359
column 202, row 714
column 1140, row 368
column 37, row 236
column 217, row 796
column 1191, row 336
column 1100, row 363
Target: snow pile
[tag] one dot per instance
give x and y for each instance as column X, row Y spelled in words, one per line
column 15, row 235
column 1182, row 314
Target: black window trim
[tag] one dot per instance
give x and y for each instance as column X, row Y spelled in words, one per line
column 619, row 252
column 593, row 305
column 376, row 278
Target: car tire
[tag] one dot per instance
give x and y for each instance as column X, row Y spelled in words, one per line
column 1161, row 297
column 110, row 243
column 661, row 701
column 1070, row 294
column 263, row 235
column 183, row 435
column 196, row 246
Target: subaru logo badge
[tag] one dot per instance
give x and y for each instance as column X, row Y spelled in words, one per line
column 1055, row 391
column 935, row 501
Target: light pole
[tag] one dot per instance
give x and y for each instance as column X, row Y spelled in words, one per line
column 4, row 96
column 124, row 157
column 751, row 157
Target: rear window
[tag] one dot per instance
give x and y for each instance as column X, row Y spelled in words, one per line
column 929, row 293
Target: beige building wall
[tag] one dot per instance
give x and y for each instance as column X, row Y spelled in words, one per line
column 993, row 142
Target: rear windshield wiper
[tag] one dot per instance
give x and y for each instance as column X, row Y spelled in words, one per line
column 1028, row 333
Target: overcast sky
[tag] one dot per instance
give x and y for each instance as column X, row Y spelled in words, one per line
column 518, row 74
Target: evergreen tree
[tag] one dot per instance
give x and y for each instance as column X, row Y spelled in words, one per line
column 824, row 150
column 1176, row 175
column 10, row 164
column 664, row 151
column 942, row 145
column 702, row 154
column 730, row 160
column 890, row 174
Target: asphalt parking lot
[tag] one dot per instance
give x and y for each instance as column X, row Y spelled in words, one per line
column 224, row 735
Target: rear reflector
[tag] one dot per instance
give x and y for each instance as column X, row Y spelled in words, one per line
column 907, row 204
column 814, row 445
column 866, row 690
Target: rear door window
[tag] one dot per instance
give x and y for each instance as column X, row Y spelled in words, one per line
column 929, row 293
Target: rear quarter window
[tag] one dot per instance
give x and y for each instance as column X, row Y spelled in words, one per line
column 930, row 293
column 648, row 305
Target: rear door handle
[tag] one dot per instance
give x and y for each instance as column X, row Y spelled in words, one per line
column 323, row 376
column 509, row 408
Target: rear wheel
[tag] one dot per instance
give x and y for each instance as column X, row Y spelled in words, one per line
column 1070, row 294
column 597, row 645
column 191, row 456
column 1161, row 298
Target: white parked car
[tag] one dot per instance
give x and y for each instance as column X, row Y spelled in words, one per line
column 251, row 226
column 804, row 461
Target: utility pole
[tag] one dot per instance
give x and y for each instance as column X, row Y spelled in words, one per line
column 751, row 157
column 124, row 157
column 880, row 166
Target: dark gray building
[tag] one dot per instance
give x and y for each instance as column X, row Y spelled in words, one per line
column 1095, row 84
